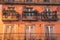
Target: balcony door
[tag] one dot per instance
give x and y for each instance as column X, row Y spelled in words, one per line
column 29, row 32
column 8, row 30
column 49, row 32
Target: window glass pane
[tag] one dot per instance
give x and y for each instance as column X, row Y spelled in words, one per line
column 46, row 0
column 49, row 29
column 30, row 29
column 9, row 28
column 28, row 0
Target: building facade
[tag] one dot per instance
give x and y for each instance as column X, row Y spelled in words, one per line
column 29, row 19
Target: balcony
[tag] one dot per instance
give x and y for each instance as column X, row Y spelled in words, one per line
column 29, row 2
column 10, row 15
column 29, row 14
column 49, row 16
column 23, row 36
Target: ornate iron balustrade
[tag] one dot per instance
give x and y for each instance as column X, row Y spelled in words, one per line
column 28, row 2
column 30, row 16
column 49, row 16
column 10, row 15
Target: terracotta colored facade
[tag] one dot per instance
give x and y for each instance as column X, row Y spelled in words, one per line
column 21, row 28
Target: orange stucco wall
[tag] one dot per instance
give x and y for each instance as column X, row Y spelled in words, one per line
column 39, row 26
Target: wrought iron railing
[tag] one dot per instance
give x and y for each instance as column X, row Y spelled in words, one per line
column 49, row 16
column 10, row 15
column 29, row 36
column 29, row 2
column 15, row 16
column 30, row 16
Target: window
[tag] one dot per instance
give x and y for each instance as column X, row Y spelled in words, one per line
column 9, row 11
column 49, row 32
column 29, row 9
column 29, row 32
column 29, row 12
column 49, row 29
column 11, row 8
column 46, row 0
column 28, row 0
column 30, row 29
column 8, row 28
column 17, row 0
column 50, row 15
column 48, row 12
column 47, row 8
